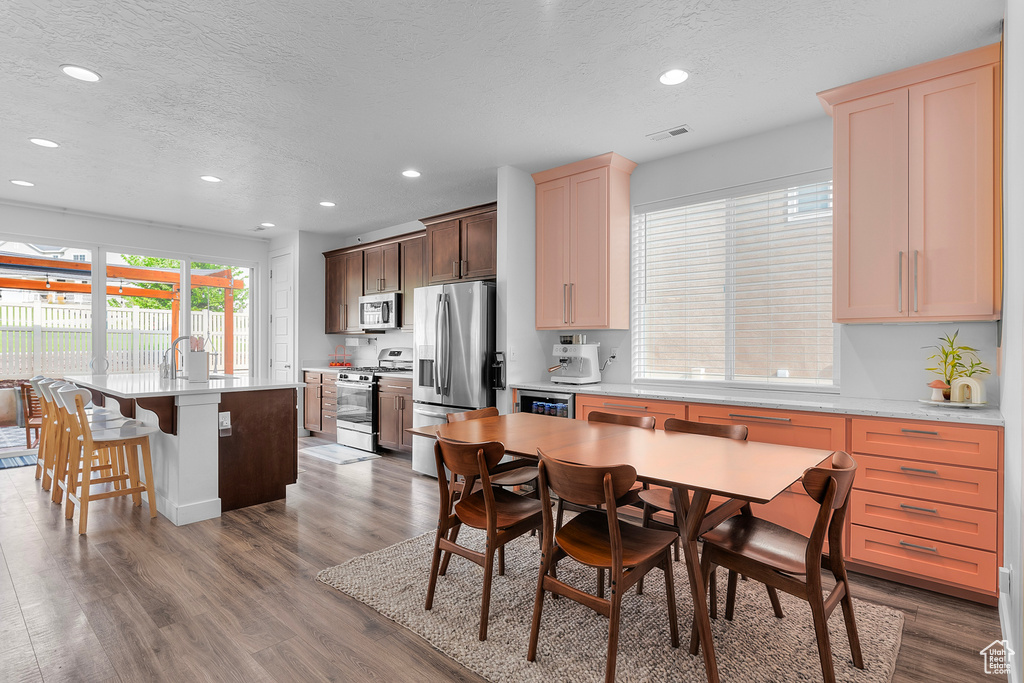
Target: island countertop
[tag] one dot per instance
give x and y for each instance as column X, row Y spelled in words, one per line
column 148, row 384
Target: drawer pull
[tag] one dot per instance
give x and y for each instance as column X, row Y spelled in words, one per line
column 918, row 431
column 919, row 547
column 915, row 469
column 934, row 511
column 625, row 405
column 392, row 386
column 761, row 417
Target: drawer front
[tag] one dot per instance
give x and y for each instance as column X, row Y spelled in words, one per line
column 778, row 426
column 928, row 481
column 926, row 519
column 395, row 386
column 660, row 410
column 929, row 441
column 330, row 389
column 931, row 559
column 311, row 377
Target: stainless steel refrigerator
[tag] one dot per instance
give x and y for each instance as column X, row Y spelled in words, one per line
column 453, row 347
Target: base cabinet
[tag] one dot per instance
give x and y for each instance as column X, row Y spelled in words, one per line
column 394, row 413
column 660, row 410
column 320, row 402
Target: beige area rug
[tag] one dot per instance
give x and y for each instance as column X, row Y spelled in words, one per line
column 574, row 639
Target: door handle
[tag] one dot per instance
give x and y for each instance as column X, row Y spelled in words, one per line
column 919, row 547
column 287, row 365
column 437, row 346
column 565, row 297
column 572, row 297
column 918, row 431
column 455, row 269
column 899, row 282
column 934, row 511
column 464, row 269
column 762, row 417
column 915, row 281
column 917, row 469
column 396, row 404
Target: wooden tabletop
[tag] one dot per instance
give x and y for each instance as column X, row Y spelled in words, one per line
column 737, row 469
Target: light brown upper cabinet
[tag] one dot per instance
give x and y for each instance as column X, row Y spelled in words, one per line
column 917, row 183
column 583, row 244
column 462, row 245
column 381, row 269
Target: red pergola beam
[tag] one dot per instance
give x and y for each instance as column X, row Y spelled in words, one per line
column 125, row 272
column 82, row 288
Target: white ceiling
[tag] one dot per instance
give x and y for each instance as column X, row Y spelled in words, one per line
column 296, row 101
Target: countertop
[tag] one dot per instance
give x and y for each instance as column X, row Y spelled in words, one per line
column 784, row 400
column 336, row 370
column 150, row 384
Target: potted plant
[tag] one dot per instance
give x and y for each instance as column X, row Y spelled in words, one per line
column 952, row 361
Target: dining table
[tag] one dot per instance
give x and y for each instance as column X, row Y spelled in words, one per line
column 690, row 464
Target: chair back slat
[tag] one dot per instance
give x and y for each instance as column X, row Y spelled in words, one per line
column 815, row 480
column 461, row 458
column 643, row 421
column 472, row 414
column 738, row 432
column 30, row 406
column 583, row 484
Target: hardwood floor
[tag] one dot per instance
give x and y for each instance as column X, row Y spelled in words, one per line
column 236, row 598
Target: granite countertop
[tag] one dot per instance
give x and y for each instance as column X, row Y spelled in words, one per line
column 783, row 400
column 146, row 384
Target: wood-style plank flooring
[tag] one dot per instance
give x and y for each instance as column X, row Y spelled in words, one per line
column 236, row 599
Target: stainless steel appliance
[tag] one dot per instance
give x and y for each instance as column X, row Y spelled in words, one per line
column 357, row 397
column 577, row 364
column 453, row 344
column 379, row 311
column 545, row 403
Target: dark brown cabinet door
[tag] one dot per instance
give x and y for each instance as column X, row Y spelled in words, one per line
column 334, row 295
column 353, row 289
column 311, row 407
column 405, row 403
column 372, row 269
column 380, row 269
column 479, row 246
column 390, row 267
column 412, row 277
column 389, row 420
column 443, row 252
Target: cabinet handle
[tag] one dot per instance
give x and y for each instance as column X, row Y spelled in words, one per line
column 401, row 402
column 915, row 469
column 396, row 404
column 934, row 511
column 572, row 297
column 918, row 431
column 465, row 269
column 761, row 417
column 915, row 281
column 625, row 405
column 919, row 547
column 565, row 297
column 455, row 269
column 392, row 386
column 899, row 282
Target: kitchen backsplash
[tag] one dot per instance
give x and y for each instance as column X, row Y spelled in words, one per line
column 363, row 349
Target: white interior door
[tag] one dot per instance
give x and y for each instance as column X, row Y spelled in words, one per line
column 282, row 317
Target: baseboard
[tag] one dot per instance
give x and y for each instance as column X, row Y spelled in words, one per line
column 1006, row 625
column 187, row 514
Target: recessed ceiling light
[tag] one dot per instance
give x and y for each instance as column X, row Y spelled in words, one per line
column 411, row 173
column 673, row 77
column 210, row 178
column 326, row 203
column 43, row 142
column 23, row 183
column 80, row 72
column 266, row 225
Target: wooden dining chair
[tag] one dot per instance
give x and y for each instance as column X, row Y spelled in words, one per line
column 598, row 538
column 792, row 562
column 719, row 508
column 523, row 473
column 32, row 412
column 503, row 515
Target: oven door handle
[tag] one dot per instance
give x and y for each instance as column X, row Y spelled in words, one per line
column 353, row 385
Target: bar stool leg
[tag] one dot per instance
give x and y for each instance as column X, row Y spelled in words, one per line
column 69, row 483
column 147, row 464
column 83, row 497
column 132, row 462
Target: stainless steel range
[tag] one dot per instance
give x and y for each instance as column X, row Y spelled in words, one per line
column 357, row 397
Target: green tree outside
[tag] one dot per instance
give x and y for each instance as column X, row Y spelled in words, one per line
column 202, row 297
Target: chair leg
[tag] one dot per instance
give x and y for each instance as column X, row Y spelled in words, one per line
column 501, row 561
column 485, row 606
column 821, row 632
column 147, row 465
column 713, row 591
column 600, row 583
column 453, row 536
column 851, row 623
column 613, row 635
column 435, row 563
column 559, row 513
column 131, row 464
column 83, row 497
column 538, row 606
column 773, row 595
column 670, row 591
column 730, row 596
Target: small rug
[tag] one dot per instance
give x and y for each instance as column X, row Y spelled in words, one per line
column 338, row 454
column 574, row 639
column 18, row 461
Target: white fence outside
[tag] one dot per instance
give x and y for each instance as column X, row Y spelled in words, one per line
column 48, row 339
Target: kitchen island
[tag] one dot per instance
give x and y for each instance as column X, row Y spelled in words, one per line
column 223, row 444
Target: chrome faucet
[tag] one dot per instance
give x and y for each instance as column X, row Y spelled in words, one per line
column 172, row 365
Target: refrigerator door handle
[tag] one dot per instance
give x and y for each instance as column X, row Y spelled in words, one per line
column 446, row 351
column 437, row 347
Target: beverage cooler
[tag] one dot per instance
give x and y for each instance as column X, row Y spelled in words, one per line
column 545, row 403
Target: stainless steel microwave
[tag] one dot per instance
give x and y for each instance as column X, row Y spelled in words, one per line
column 379, row 311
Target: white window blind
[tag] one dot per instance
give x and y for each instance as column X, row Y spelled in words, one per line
column 736, row 286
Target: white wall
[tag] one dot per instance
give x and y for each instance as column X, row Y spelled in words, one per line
column 1011, row 605
column 53, row 225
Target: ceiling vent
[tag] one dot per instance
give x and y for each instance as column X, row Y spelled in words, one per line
column 670, row 133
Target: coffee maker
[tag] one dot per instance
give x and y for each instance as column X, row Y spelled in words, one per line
column 577, row 364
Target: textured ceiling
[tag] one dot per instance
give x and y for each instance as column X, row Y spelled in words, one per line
column 296, row 101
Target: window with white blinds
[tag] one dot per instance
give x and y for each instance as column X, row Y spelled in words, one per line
column 736, row 286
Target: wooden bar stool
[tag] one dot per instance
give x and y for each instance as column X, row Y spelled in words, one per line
column 116, row 450
column 32, row 412
column 45, row 438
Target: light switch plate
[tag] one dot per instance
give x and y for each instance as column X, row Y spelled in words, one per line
column 224, row 420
